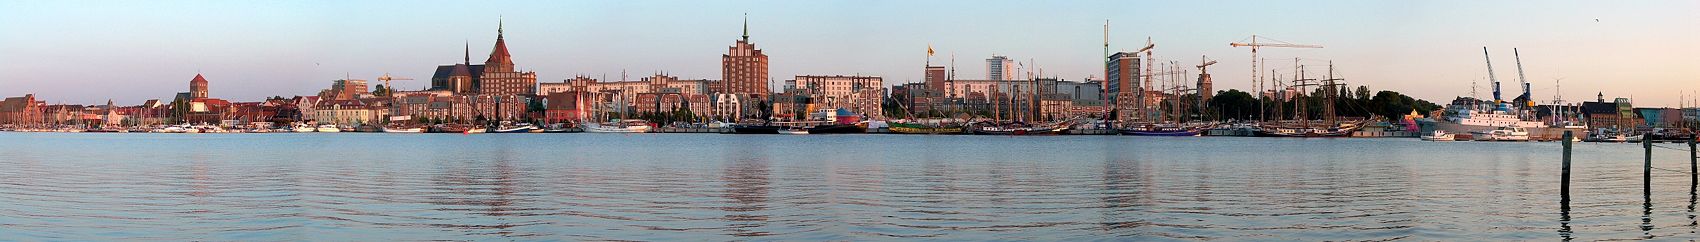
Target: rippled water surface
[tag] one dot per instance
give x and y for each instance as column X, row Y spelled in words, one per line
column 288, row 187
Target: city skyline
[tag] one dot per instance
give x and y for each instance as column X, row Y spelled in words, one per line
column 87, row 52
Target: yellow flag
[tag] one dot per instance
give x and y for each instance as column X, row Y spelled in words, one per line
column 929, row 49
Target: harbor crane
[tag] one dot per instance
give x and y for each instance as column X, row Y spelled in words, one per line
column 1254, row 44
column 390, row 90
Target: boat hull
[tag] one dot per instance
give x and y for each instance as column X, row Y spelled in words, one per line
column 838, row 129
column 1135, row 132
column 1535, row 133
column 756, row 129
column 922, row 129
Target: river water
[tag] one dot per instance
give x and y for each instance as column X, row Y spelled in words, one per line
column 383, row 187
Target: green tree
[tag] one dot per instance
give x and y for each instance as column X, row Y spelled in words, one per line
column 381, row 91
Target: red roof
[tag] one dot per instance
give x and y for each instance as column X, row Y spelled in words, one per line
column 198, row 79
column 212, row 101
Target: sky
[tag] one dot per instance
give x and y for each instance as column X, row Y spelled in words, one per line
column 130, row 51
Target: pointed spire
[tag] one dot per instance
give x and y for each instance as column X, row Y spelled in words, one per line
column 746, row 27
column 498, row 26
column 466, row 57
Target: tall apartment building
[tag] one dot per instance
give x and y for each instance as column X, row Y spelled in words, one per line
column 1122, row 83
column 744, row 68
column 1000, row 68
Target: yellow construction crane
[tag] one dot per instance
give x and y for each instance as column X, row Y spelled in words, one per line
column 390, row 90
column 1254, row 44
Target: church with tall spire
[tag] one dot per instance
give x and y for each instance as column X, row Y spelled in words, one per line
column 496, row 76
column 499, row 76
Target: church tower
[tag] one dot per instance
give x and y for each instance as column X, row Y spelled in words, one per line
column 198, row 87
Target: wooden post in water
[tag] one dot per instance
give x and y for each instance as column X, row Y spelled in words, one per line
column 1564, row 180
column 1647, row 166
column 1693, row 162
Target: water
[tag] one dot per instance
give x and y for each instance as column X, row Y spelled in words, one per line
column 371, row 187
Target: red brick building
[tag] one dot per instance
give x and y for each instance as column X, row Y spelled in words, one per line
column 743, row 69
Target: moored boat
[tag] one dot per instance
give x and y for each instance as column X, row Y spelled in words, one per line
column 327, row 129
column 1440, row 135
column 1160, row 130
column 838, row 129
column 627, row 126
column 756, row 129
column 917, row 128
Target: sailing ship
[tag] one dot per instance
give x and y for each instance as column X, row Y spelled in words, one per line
column 1169, row 129
column 922, row 128
column 1018, row 128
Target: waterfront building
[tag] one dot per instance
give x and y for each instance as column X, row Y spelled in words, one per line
column 567, row 106
column 21, row 110
column 1000, row 68
column 1659, row 117
column 196, row 107
column 937, row 81
column 1619, row 113
column 343, row 112
column 63, row 113
column 1121, row 84
column 625, row 93
column 727, row 107
column 151, row 112
column 499, row 107
column 744, row 67
column 859, row 94
column 499, row 76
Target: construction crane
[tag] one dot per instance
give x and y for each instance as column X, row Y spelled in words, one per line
column 1149, row 61
column 390, row 90
column 1204, row 82
column 1254, row 44
column 1206, row 63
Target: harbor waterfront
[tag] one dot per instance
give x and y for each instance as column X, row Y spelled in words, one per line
column 370, row 186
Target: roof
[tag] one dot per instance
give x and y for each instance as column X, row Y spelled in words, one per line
column 444, row 71
column 198, row 79
column 345, row 104
column 499, row 55
column 1599, row 108
column 15, row 104
column 211, row 101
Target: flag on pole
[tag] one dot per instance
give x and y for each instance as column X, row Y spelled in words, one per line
column 929, row 49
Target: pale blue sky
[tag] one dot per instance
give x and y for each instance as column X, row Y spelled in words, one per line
column 88, row 51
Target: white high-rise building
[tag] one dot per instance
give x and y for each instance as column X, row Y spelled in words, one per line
column 1000, row 68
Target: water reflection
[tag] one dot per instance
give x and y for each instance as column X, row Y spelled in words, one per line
column 747, row 188
column 839, row 188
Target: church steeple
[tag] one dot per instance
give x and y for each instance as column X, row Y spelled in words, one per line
column 467, row 56
column 499, row 60
column 746, row 27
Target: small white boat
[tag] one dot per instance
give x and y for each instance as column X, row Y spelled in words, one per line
column 793, row 131
column 403, row 130
column 1503, row 134
column 1439, row 135
column 328, row 129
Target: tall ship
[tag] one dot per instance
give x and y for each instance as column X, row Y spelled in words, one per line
column 1475, row 117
